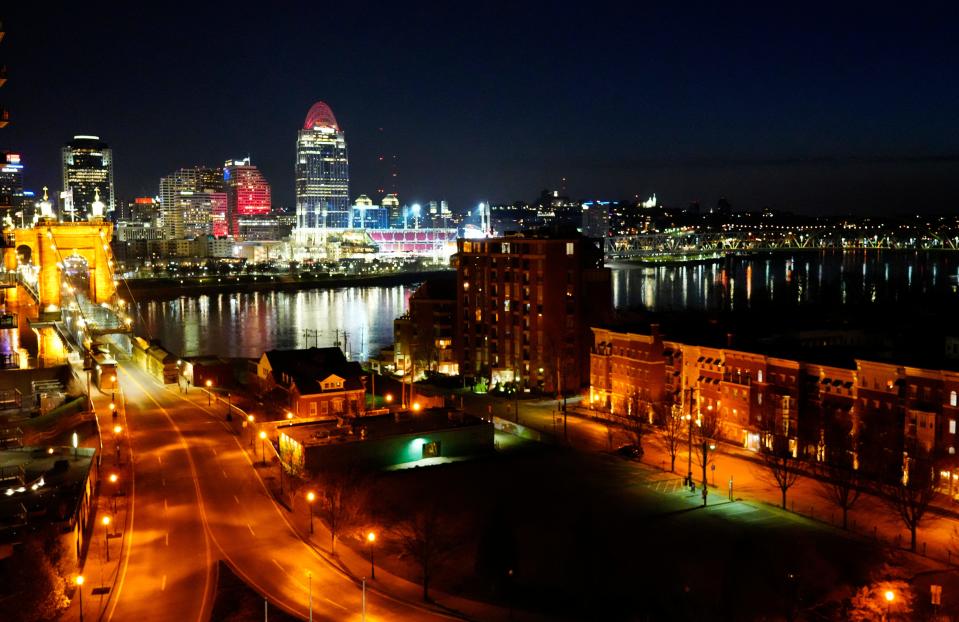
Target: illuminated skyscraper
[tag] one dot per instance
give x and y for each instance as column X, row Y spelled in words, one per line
column 247, row 193
column 322, row 174
column 87, row 168
column 193, row 203
column 11, row 183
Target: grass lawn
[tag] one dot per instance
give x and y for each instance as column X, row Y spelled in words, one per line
column 592, row 536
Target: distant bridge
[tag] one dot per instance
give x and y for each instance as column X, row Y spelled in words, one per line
column 687, row 244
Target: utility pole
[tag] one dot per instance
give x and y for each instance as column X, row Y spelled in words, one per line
column 689, row 419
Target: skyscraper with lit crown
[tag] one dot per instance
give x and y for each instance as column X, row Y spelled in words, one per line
column 88, row 168
column 322, row 175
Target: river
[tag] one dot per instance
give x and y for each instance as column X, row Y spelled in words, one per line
column 247, row 324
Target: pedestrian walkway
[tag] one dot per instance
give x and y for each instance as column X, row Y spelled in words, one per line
column 100, row 561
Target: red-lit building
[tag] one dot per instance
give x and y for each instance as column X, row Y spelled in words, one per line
column 247, row 192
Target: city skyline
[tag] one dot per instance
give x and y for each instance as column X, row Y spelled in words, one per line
column 791, row 111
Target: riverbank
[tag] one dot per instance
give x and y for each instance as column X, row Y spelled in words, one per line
column 162, row 288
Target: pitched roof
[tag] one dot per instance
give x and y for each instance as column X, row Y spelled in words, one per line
column 307, row 368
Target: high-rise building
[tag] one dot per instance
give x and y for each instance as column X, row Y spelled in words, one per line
column 193, row 202
column 11, row 184
column 394, row 211
column 525, row 304
column 322, row 175
column 87, row 169
column 368, row 216
column 247, row 193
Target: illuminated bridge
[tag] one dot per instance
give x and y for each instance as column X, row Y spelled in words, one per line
column 691, row 244
column 59, row 294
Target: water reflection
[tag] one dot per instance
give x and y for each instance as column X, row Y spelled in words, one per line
column 246, row 325
column 788, row 278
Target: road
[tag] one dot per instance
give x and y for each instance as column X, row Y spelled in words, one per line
column 198, row 499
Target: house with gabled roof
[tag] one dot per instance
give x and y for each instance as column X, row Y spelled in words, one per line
column 313, row 382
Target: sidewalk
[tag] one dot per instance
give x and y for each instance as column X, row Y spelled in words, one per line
column 111, row 499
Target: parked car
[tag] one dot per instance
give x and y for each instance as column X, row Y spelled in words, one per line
column 630, row 452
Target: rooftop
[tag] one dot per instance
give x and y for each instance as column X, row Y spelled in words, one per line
column 311, row 434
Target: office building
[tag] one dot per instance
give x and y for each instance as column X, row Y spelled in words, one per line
column 193, row 201
column 322, row 175
column 247, row 193
column 11, row 185
column 366, row 215
column 423, row 336
column 524, row 307
column 87, row 169
column 595, row 222
column 394, row 211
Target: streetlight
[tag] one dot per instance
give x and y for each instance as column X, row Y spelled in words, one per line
column 416, row 407
column 389, row 398
column 289, row 414
column 114, row 478
column 209, row 393
column 106, row 534
column 889, row 596
column 262, row 450
column 249, row 422
column 79, row 581
column 310, row 498
column 371, row 538
column 309, row 576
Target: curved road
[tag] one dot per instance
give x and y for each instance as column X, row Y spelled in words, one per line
column 197, row 499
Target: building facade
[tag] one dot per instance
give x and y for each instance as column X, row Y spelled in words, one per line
column 315, row 382
column 524, row 307
column 193, row 202
column 322, row 174
column 423, row 336
column 247, row 193
column 87, row 169
column 892, row 410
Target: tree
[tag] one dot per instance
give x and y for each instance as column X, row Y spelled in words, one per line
column 869, row 603
column 673, row 434
column 427, row 540
column 781, row 465
column 341, row 498
column 35, row 580
column 841, row 482
column 635, row 426
column 911, row 498
column 706, row 432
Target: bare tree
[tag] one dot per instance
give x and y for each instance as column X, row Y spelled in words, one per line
column 673, row 434
column 635, row 426
column 841, row 482
column 427, row 540
column 911, row 498
column 340, row 501
column 781, row 466
column 706, row 432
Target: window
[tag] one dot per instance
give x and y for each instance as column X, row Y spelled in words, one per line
column 312, row 409
column 953, row 399
column 952, row 426
column 759, row 376
column 570, row 248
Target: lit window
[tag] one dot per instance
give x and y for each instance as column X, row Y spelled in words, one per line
column 952, row 426
column 953, row 398
column 570, row 248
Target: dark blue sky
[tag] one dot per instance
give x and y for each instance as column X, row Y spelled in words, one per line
column 814, row 109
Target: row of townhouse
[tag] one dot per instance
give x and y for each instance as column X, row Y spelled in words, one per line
column 891, row 407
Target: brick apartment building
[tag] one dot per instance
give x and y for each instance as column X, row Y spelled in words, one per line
column 892, row 408
column 524, row 307
column 423, row 336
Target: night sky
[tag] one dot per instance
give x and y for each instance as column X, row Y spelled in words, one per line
column 817, row 110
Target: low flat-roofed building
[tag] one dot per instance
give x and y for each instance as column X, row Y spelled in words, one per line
column 383, row 441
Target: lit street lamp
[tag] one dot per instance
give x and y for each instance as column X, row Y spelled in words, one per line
column 371, row 538
column 209, row 393
column 310, row 498
column 262, row 449
column 889, row 596
column 113, row 480
column 79, row 581
column 249, row 422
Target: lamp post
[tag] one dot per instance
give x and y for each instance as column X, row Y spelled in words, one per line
column 79, row 581
column 309, row 576
column 209, row 393
column 262, row 448
column 116, row 442
column 371, row 538
column 249, row 422
column 889, row 596
column 310, row 498
column 113, row 480
column 229, row 408
column 106, row 534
